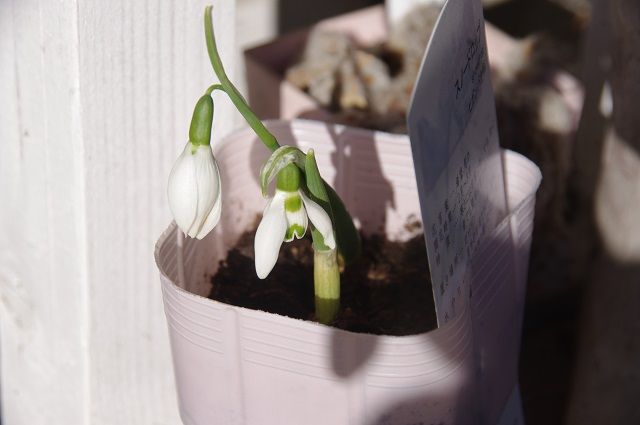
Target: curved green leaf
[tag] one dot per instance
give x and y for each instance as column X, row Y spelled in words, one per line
column 347, row 236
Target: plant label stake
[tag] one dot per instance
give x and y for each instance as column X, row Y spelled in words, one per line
column 454, row 139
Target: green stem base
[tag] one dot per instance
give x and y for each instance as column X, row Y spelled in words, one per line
column 326, row 282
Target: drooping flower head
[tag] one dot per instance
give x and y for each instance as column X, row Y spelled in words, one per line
column 194, row 189
column 286, row 217
column 289, row 210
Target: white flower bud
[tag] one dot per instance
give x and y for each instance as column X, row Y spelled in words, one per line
column 194, row 191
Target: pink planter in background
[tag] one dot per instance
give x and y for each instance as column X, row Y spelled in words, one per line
column 272, row 97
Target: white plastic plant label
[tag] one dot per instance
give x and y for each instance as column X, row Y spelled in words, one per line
column 454, row 140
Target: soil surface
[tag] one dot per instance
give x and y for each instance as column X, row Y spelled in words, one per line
column 387, row 291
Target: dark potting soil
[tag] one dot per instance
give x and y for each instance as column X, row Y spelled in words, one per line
column 387, row 291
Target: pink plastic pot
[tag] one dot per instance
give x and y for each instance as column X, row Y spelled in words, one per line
column 239, row 366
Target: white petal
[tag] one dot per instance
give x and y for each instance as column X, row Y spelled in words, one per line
column 295, row 218
column 320, row 219
column 181, row 190
column 206, row 186
column 269, row 236
column 214, row 215
column 209, row 190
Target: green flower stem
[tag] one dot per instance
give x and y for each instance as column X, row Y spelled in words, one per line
column 213, row 87
column 254, row 122
column 315, row 184
column 326, row 281
column 326, row 273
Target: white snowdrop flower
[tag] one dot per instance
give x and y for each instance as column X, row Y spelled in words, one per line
column 194, row 190
column 286, row 217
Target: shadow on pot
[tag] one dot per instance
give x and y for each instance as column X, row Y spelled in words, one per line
column 496, row 310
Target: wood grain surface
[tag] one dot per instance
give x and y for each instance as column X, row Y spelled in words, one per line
column 96, row 102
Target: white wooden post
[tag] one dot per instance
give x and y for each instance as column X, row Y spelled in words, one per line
column 96, row 102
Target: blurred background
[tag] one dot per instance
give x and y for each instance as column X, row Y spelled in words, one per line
column 97, row 100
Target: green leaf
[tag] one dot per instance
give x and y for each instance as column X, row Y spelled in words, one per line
column 315, row 184
column 318, row 240
column 318, row 193
column 347, row 236
column 279, row 160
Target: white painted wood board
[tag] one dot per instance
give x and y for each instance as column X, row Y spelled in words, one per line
column 97, row 97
